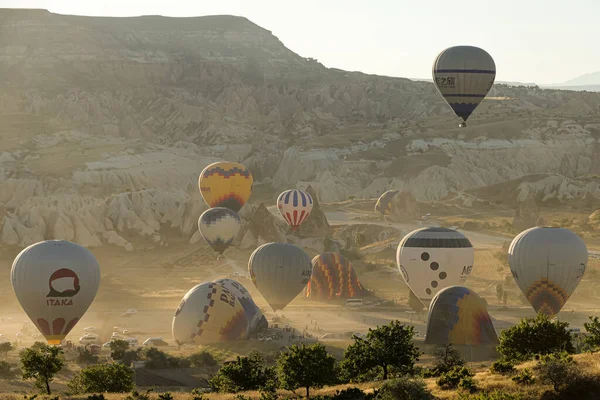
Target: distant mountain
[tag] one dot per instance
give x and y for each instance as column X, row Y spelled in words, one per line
column 587, row 79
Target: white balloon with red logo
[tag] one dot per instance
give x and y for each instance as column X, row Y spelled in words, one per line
column 55, row 281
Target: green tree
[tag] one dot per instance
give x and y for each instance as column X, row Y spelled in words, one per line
column 386, row 347
column 448, row 357
column 85, row 356
column 539, row 335
column 111, row 378
column 592, row 339
column 245, row 373
column 41, row 363
column 5, row 347
column 306, row 367
column 118, row 348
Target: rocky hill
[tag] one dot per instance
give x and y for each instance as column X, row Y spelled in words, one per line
column 107, row 122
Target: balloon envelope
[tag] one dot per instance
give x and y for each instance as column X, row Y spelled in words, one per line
column 219, row 226
column 457, row 315
column 226, row 184
column 547, row 264
column 464, row 75
column 256, row 318
column 431, row 259
column 384, row 203
column 209, row 313
column 55, row 281
column 279, row 271
column 294, row 206
column 333, row 277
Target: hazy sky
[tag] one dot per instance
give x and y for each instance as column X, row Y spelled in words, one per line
column 542, row 41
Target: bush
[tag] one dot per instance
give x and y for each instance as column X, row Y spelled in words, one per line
column 502, row 367
column 111, row 378
column 525, row 377
column 532, row 336
column 352, row 393
column 495, row 395
column 448, row 357
column 557, row 370
column 85, row 356
column 404, row 388
column 453, row 378
column 158, row 359
column 245, row 373
column 202, row 359
column 5, row 372
column 581, row 387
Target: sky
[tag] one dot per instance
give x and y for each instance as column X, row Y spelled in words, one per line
column 541, row 41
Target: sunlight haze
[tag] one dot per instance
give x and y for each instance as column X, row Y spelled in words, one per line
column 537, row 41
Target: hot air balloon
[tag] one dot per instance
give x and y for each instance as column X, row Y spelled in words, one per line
column 457, row 315
column 279, row 271
column 333, row 278
column 464, row 75
column 547, row 264
column 294, row 206
column 55, row 281
column 226, row 184
column 219, row 226
column 384, row 203
column 431, row 259
column 256, row 318
column 209, row 313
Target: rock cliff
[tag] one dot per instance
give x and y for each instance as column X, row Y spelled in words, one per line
column 107, row 122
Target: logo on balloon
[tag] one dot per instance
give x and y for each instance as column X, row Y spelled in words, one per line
column 63, row 283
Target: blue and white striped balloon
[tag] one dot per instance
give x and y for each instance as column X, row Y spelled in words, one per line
column 295, row 206
column 219, row 226
column 464, row 75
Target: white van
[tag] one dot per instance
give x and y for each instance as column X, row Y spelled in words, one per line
column 88, row 339
column 354, row 302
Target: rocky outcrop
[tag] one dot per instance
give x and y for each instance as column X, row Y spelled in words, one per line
column 526, row 216
column 316, row 224
column 404, row 207
column 107, row 122
column 359, row 235
column 262, row 228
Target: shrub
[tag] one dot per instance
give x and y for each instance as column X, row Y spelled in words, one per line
column 532, row 336
column 557, row 370
column 525, row 377
column 85, row 356
column 112, row 378
column 245, row 373
column 5, row 372
column 502, row 367
column 202, row 359
column 453, row 378
column 404, row 388
column 495, row 395
column 448, row 357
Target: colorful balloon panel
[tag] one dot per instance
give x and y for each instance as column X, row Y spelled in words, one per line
column 294, row 206
column 209, row 313
column 457, row 315
column 256, row 318
column 384, row 203
column 431, row 259
column 226, row 184
column 333, row 277
column 547, row 263
column 280, row 271
column 464, row 75
column 55, row 281
column 219, row 226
